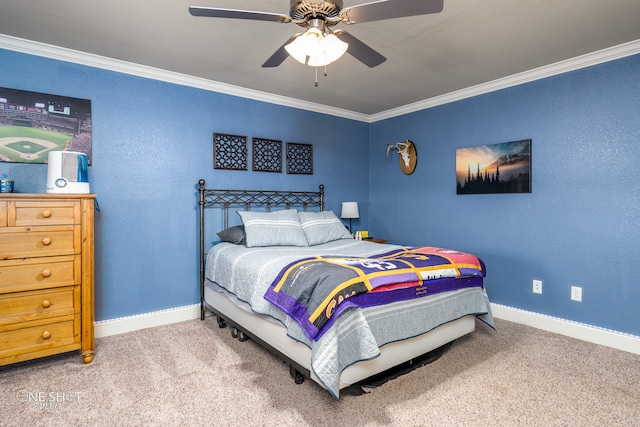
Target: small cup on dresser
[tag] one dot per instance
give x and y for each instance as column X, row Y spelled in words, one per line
column 6, row 186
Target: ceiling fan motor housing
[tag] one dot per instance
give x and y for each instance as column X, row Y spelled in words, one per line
column 301, row 10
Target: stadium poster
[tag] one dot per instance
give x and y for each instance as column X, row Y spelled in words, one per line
column 32, row 124
column 495, row 168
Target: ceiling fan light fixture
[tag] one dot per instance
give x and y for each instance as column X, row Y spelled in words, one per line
column 316, row 49
column 305, row 45
column 334, row 48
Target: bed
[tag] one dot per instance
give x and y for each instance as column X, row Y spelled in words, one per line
column 352, row 332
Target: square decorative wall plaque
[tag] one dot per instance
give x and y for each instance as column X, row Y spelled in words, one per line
column 230, row 152
column 267, row 155
column 299, row 158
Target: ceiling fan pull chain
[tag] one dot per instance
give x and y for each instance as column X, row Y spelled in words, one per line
column 325, row 74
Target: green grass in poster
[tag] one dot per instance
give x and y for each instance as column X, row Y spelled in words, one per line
column 26, row 144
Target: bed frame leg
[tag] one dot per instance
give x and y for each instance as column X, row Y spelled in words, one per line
column 242, row 337
column 297, row 376
column 237, row 333
column 221, row 322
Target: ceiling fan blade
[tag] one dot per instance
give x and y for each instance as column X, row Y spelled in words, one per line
column 279, row 55
column 388, row 9
column 359, row 50
column 214, row 12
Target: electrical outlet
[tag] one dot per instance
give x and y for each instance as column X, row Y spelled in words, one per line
column 576, row 293
column 537, row 286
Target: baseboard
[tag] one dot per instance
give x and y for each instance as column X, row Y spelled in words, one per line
column 592, row 334
column 613, row 339
column 122, row 325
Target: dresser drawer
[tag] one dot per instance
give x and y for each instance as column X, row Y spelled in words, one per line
column 3, row 213
column 39, row 336
column 25, row 213
column 33, row 305
column 25, row 242
column 27, row 274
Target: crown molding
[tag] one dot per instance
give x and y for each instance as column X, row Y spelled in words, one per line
column 583, row 61
column 91, row 60
column 77, row 57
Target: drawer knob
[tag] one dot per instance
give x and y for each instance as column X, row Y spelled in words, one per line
column 46, row 214
column 46, row 303
column 46, row 335
column 46, row 273
column 46, row 241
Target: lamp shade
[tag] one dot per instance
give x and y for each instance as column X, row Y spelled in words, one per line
column 350, row 210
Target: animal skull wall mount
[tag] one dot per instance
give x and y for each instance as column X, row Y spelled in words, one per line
column 408, row 155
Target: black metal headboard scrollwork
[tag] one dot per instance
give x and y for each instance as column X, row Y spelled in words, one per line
column 247, row 199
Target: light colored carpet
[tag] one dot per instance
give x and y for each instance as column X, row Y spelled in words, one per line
column 192, row 373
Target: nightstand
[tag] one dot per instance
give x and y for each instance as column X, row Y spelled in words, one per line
column 374, row 240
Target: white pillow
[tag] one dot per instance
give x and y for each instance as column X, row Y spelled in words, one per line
column 279, row 228
column 322, row 227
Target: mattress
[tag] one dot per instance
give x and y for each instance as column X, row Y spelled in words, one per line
column 246, row 274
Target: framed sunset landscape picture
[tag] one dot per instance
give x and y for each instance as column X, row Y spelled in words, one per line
column 494, row 168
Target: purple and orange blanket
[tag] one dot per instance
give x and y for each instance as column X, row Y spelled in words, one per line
column 314, row 291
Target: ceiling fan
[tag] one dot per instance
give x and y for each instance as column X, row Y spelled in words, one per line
column 319, row 45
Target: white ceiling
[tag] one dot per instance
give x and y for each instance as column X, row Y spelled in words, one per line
column 470, row 43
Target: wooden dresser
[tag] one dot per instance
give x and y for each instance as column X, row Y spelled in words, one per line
column 46, row 275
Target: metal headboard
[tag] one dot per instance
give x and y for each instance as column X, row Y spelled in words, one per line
column 247, row 199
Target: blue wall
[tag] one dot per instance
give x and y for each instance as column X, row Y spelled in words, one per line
column 580, row 225
column 152, row 141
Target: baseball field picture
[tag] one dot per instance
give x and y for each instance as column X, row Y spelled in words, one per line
column 32, row 124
